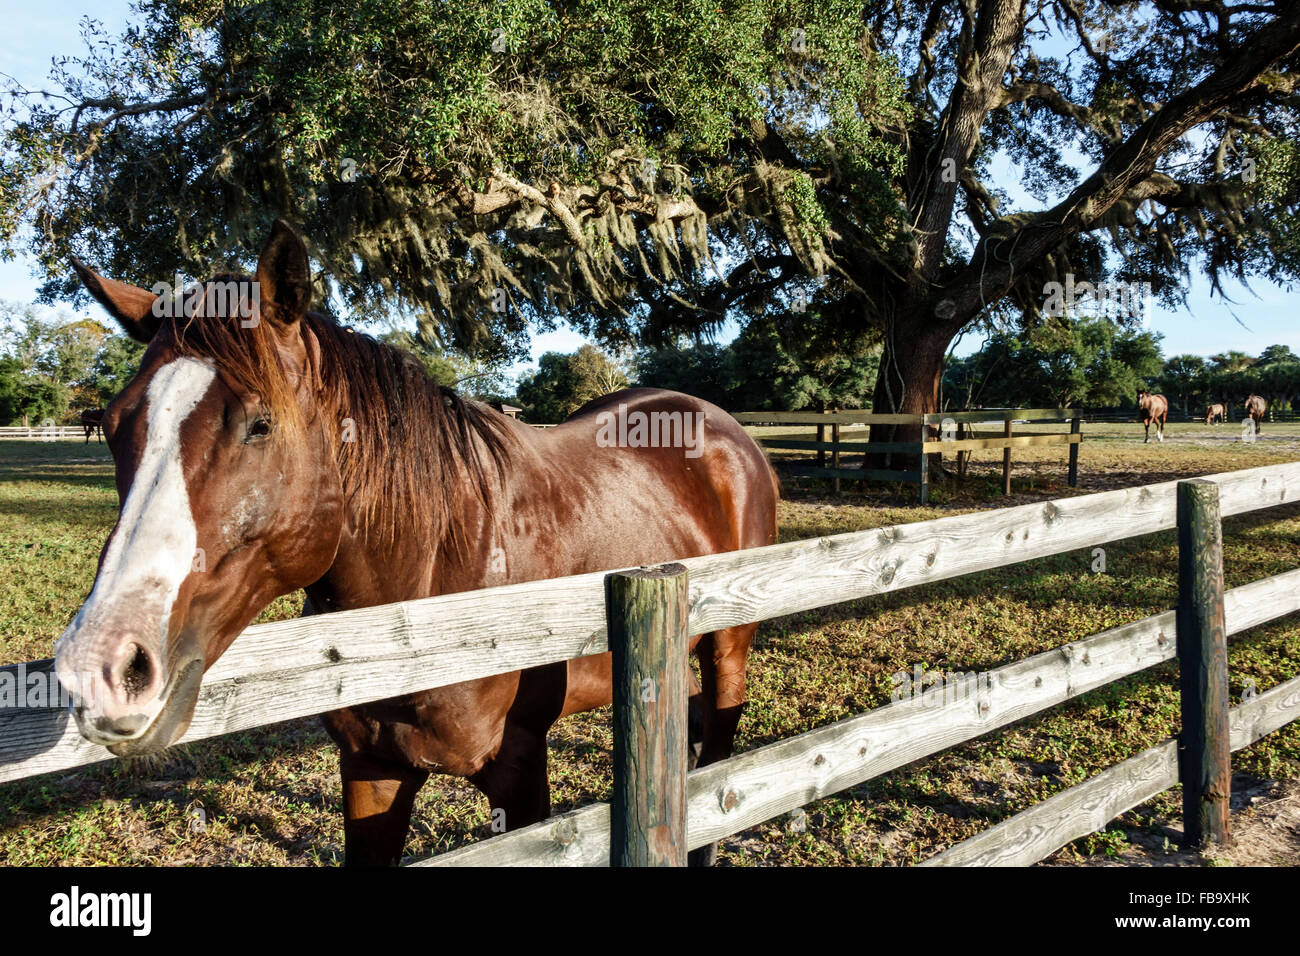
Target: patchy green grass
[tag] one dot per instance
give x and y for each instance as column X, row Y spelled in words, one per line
column 271, row 796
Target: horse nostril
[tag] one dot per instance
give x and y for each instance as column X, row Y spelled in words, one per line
column 138, row 673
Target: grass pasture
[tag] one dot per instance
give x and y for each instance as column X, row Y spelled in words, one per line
column 272, row 796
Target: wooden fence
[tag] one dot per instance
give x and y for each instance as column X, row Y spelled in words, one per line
column 42, row 432
column 954, row 431
column 296, row 668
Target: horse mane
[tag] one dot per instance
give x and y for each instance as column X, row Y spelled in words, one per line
column 405, row 445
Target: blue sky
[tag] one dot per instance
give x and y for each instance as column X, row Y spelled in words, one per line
column 1255, row 318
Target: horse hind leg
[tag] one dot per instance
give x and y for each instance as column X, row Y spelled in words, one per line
column 723, row 656
column 695, row 724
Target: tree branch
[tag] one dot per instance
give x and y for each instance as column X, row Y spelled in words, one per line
column 980, row 68
column 1128, row 171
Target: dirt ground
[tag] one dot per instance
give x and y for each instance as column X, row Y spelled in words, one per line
column 1265, row 832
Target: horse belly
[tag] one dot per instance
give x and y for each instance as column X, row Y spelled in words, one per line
column 589, row 684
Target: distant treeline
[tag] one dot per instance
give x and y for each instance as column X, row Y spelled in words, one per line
column 1007, row 372
column 52, row 368
column 1094, row 364
column 760, row 370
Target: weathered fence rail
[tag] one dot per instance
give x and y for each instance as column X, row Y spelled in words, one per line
column 1087, row 807
column 951, row 428
column 753, row 787
column 42, row 432
column 305, row 666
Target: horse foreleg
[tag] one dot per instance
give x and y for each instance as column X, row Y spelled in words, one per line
column 378, row 797
column 515, row 780
column 723, row 655
column 1147, row 426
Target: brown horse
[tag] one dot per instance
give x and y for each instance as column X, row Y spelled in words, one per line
column 1216, row 412
column 1256, row 407
column 1153, row 408
column 92, row 420
column 298, row 454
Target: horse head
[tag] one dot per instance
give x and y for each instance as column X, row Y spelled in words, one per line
column 229, row 491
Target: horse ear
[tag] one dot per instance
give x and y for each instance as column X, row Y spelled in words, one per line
column 133, row 307
column 283, row 273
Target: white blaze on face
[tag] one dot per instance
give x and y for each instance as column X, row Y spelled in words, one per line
column 153, row 545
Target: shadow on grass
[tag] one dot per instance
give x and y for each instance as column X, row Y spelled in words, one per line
column 214, row 761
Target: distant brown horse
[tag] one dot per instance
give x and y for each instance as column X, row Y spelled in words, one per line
column 1216, row 412
column 298, row 454
column 92, row 420
column 1153, row 408
column 1256, row 407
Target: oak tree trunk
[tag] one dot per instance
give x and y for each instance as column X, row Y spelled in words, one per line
column 907, row 383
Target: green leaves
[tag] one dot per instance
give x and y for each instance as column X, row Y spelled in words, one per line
column 1081, row 362
column 209, row 119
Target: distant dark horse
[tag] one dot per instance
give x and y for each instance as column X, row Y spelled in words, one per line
column 92, row 420
column 1153, row 408
column 1256, row 408
column 298, row 454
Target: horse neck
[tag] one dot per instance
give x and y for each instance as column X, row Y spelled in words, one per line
column 422, row 558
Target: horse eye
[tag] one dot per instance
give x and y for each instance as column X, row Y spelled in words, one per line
column 260, row 428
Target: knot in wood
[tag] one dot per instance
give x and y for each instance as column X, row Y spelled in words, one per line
column 565, row 832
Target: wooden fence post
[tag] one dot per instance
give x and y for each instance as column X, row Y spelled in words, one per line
column 1006, row 460
column 835, row 453
column 1204, row 749
column 646, row 614
column 1076, row 428
column 923, row 491
column 962, row 456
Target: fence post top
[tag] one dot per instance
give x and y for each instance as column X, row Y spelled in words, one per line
column 1198, row 486
column 650, row 572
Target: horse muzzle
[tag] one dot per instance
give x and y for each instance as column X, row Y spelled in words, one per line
column 123, row 696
